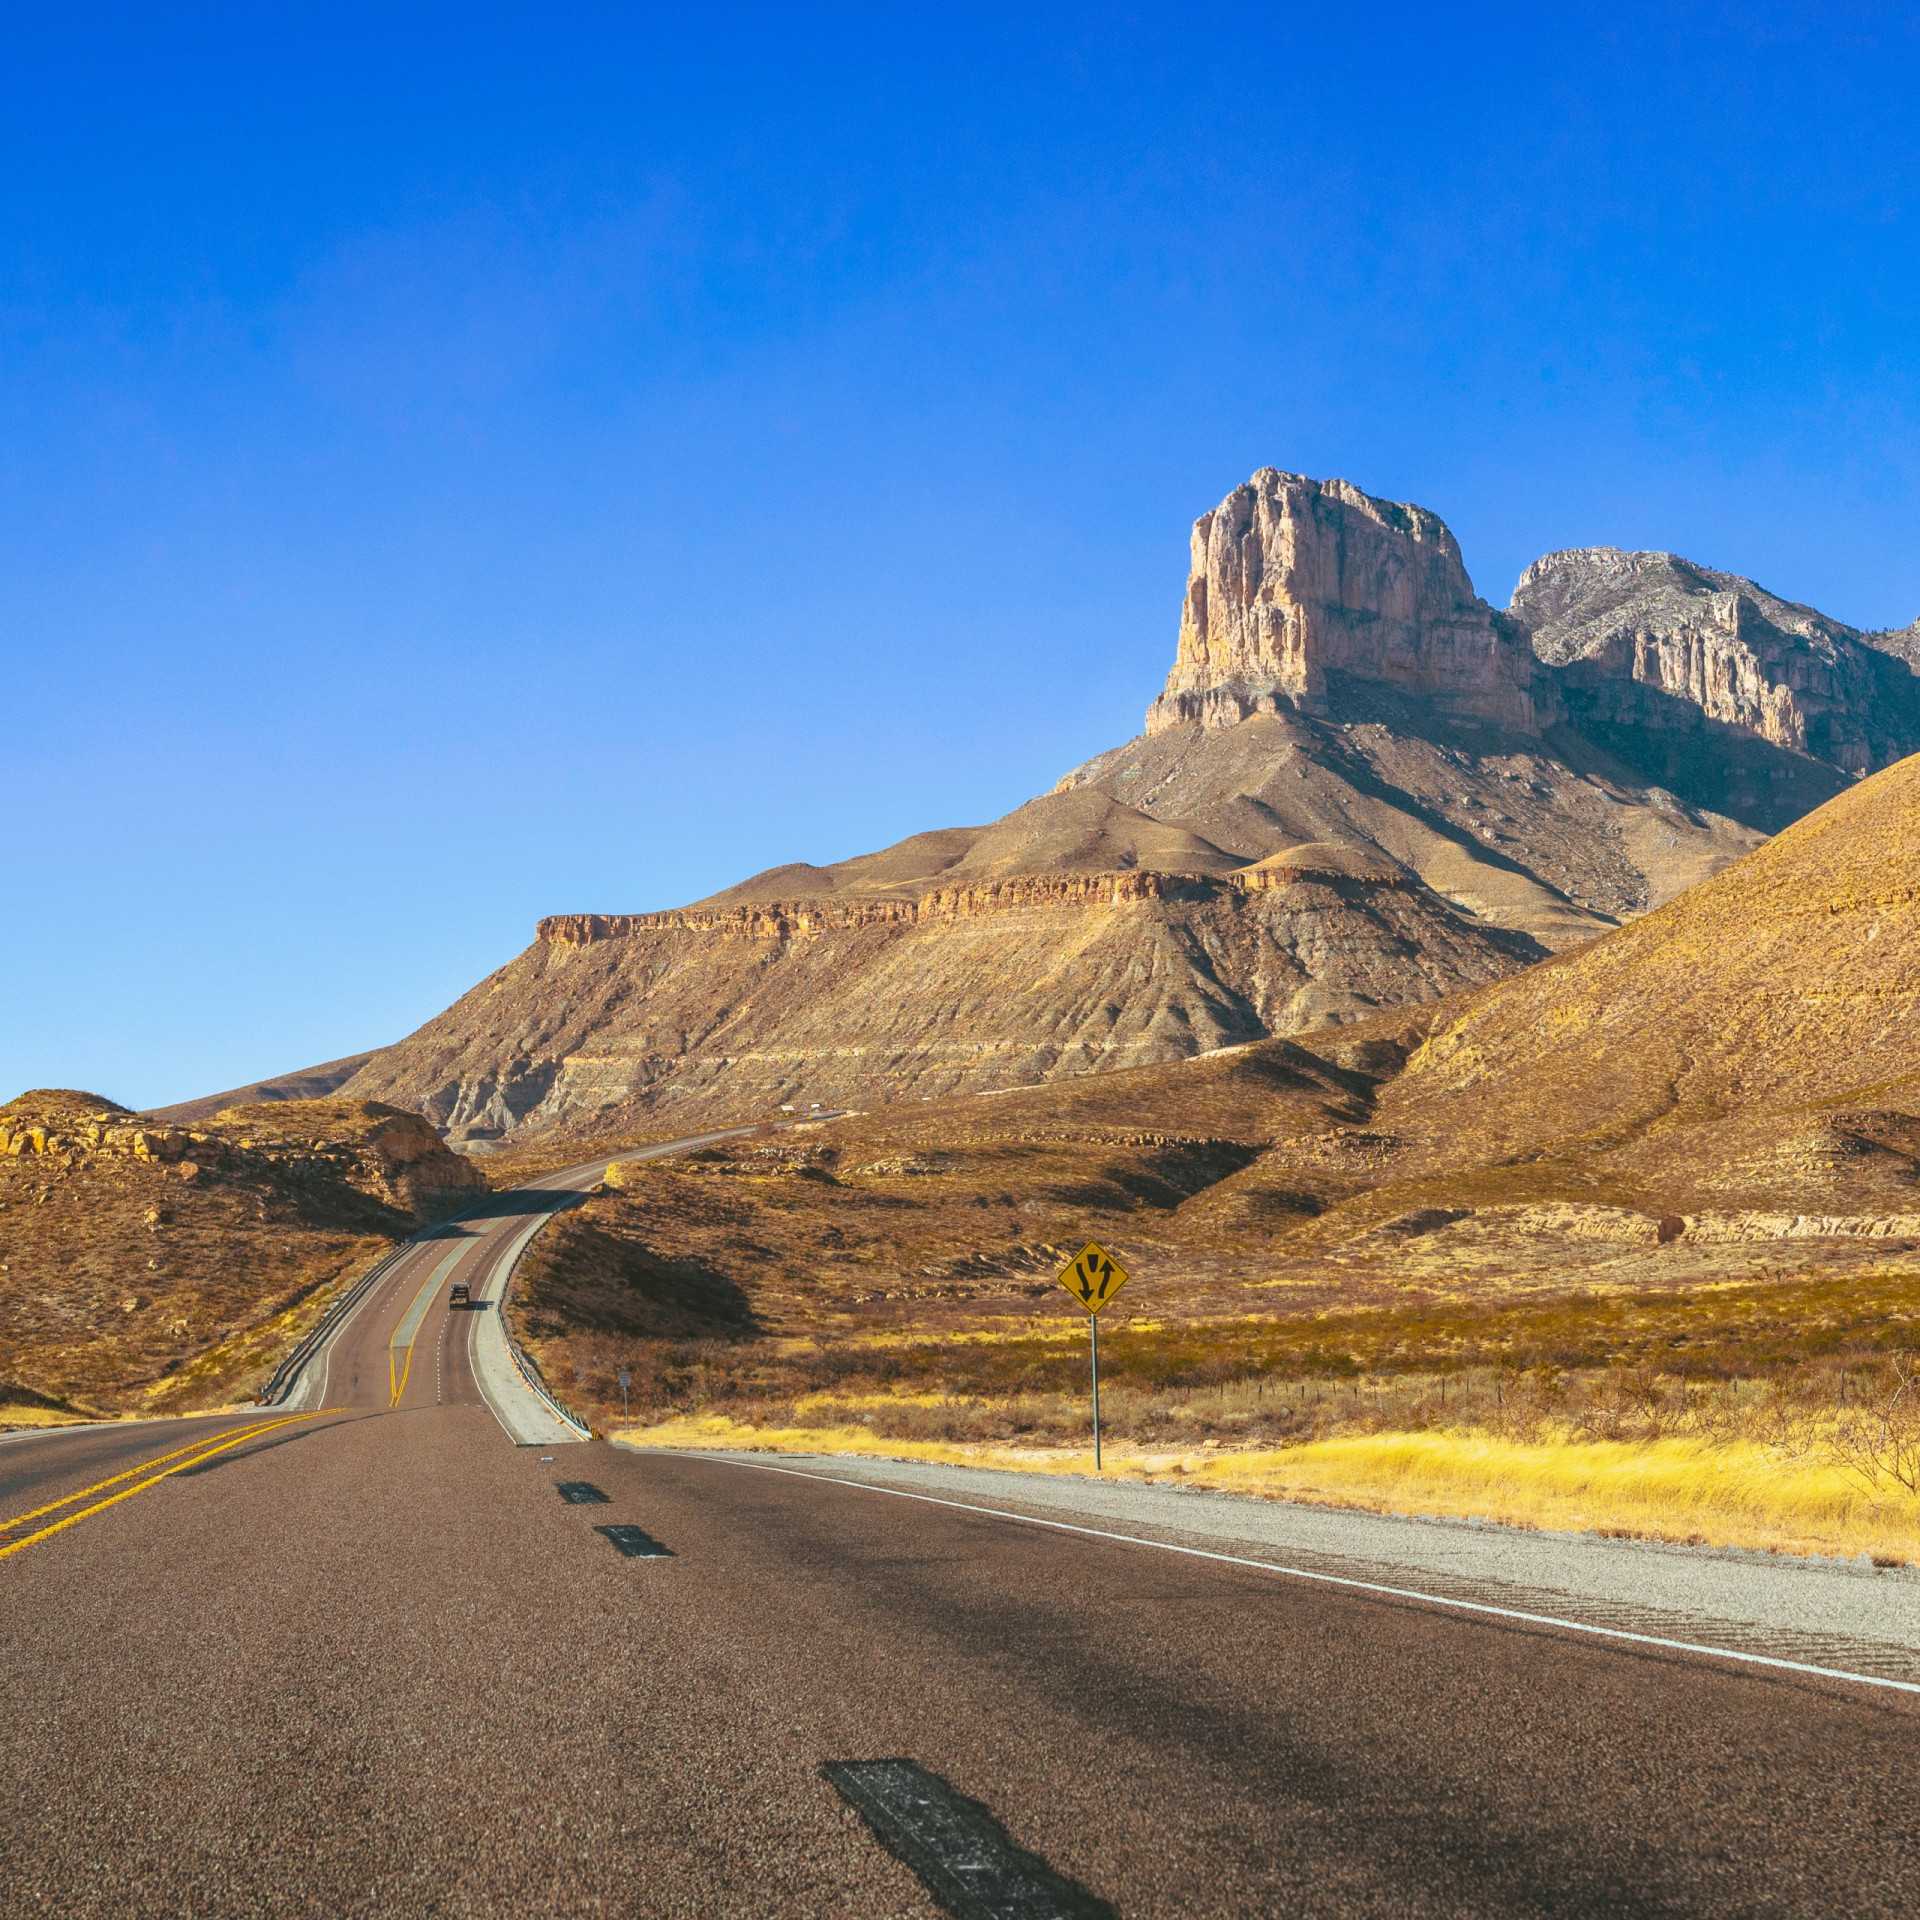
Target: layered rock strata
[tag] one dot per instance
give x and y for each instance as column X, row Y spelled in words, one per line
column 802, row 920
column 610, row 1017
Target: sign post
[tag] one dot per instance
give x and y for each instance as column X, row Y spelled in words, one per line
column 626, row 1380
column 1093, row 1277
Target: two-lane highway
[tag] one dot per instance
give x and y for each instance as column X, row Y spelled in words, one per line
column 406, row 1346
column 381, row 1660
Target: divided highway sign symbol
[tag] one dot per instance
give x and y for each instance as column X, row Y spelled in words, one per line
column 1093, row 1276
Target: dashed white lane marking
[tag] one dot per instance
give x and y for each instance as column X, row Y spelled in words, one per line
column 1342, row 1580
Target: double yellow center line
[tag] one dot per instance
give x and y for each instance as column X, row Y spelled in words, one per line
column 397, row 1376
column 183, row 1457
column 406, row 1335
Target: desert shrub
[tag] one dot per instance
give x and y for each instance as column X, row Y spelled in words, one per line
column 1878, row 1437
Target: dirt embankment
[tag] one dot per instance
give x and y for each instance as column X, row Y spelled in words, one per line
column 157, row 1268
column 1327, row 1252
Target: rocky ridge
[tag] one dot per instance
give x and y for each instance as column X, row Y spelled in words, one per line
column 161, row 1268
column 1683, row 671
column 1903, row 643
column 391, row 1155
column 1362, row 788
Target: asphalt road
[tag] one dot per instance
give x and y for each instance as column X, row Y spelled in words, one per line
column 406, row 1347
column 368, row 1661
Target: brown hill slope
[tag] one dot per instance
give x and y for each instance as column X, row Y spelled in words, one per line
column 893, row 1271
column 1782, row 995
column 158, row 1269
column 308, row 1083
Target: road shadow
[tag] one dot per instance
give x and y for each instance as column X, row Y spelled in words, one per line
column 517, row 1203
column 271, row 1444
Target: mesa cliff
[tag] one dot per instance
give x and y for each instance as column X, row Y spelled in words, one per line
column 1306, row 596
column 734, row 1010
column 1294, row 579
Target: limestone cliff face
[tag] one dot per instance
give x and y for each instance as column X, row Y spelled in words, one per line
column 1311, row 597
column 1293, row 579
column 1660, row 647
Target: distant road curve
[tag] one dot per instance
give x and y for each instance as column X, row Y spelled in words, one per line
column 403, row 1347
column 364, row 1656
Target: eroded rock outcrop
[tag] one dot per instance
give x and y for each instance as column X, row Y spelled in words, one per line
column 1651, row 645
column 162, row 1268
column 1294, row 579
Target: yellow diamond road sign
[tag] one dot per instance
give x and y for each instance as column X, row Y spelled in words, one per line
column 1093, row 1277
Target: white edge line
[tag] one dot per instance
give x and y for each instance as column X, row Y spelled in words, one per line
column 1301, row 1573
column 574, row 1179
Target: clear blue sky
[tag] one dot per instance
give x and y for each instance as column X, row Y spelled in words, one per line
column 459, row 465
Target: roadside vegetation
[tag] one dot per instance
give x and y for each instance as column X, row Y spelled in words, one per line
column 1805, row 1458
column 157, row 1270
column 844, row 1290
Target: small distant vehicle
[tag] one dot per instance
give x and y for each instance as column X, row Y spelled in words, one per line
column 459, row 1297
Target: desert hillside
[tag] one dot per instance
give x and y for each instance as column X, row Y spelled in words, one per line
column 1665, row 1184
column 309, row 1083
column 1362, row 788
column 1751, row 1044
column 156, row 1269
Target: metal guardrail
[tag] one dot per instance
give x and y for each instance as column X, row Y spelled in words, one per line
column 289, row 1369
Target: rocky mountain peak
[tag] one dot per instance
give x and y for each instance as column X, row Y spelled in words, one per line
column 1902, row 642
column 1293, row 580
column 1363, row 788
column 1659, row 647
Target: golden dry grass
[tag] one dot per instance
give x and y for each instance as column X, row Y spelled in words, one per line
column 885, row 1288
column 1699, row 1492
column 14, row 1419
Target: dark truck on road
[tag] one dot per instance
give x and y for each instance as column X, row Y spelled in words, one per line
column 459, row 1297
